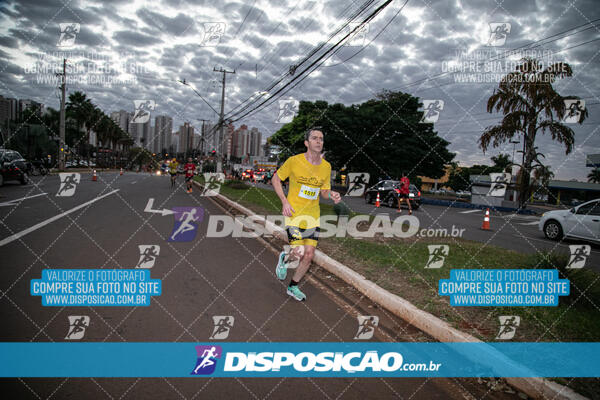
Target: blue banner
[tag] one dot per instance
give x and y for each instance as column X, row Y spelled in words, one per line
column 504, row 287
column 298, row 359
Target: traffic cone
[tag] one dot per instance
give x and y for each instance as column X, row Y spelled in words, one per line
column 486, row 220
column 377, row 204
column 94, row 178
column 121, row 172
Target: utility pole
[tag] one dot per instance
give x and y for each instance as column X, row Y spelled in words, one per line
column 222, row 115
column 202, row 136
column 61, row 127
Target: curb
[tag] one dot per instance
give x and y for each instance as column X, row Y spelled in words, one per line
column 428, row 323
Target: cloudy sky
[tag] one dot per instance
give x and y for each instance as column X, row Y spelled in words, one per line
column 128, row 50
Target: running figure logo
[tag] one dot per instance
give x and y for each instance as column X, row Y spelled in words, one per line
column 499, row 182
column 356, row 39
column 287, row 111
column 77, row 326
column 431, row 110
column 223, row 324
column 148, row 254
column 207, row 359
column 358, row 182
column 437, row 255
column 213, row 180
column 68, row 33
column 498, row 33
column 186, row 223
column 68, row 183
column 366, row 326
column 213, row 31
column 508, row 326
column 574, row 109
column 579, row 254
column 142, row 111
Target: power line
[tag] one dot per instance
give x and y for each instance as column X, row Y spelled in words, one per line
column 287, row 73
column 333, row 49
column 372, row 40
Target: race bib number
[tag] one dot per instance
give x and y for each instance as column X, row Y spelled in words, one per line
column 308, row 192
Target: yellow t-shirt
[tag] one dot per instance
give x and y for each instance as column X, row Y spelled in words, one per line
column 306, row 182
column 173, row 166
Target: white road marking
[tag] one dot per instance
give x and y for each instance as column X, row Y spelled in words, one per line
column 133, row 182
column 12, row 202
column 470, row 211
column 556, row 244
column 52, row 219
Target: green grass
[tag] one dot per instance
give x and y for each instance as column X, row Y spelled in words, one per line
column 576, row 318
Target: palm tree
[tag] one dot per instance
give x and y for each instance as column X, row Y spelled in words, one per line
column 594, row 176
column 530, row 105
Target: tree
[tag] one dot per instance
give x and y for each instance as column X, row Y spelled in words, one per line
column 501, row 162
column 530, row 105
column 594, row 176
column 382, row 136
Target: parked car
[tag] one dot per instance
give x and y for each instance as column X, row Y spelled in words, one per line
column 13, row 167
column 259, row 176
column 389, row 192
column 582, row 222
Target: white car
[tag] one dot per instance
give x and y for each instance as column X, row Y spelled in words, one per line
column 582, row 222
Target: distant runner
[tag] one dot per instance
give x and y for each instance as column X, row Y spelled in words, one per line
column 309, row 176
column 173, row 171
column 404, row 193
column 190, row 170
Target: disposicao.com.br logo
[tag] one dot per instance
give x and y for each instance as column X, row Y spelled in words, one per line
column 370, row 361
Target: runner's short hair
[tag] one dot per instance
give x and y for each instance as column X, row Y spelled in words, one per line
column 309, row 130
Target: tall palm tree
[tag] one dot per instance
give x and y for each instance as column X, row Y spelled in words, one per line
column 594, row 176
column 530, row 105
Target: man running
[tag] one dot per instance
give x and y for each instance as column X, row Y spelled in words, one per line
column 190, row 170
column 309, row 176
column 404, row 193
column 173, row 171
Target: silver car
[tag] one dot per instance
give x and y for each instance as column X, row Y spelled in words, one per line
column 582, row 222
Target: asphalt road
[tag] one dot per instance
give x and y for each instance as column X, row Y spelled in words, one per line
column 507, row 230
column 200, row 279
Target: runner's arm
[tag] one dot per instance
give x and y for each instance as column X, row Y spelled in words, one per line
column 287, row 209
column 331, row 194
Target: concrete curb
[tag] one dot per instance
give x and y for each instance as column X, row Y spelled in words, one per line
column 428, row 323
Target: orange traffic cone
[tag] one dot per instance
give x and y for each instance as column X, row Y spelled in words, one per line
column 121, row 171
column 377, row 204
column 94, row 178
column 486, row 220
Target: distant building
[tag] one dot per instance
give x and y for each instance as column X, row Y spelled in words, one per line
column 25, row 104
column 8, row 109
column 140, row 134
column 186, row 138
column 255, row 145
column 161, row 140
column 121, row 118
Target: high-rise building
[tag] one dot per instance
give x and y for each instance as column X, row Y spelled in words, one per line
column 121, row 118
column 140, row 133
column 240, row 140
column 174, row 144
column 8, row 109
column 163, row 127
column 255, row 139
column 27, row 103
column 186, row 138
